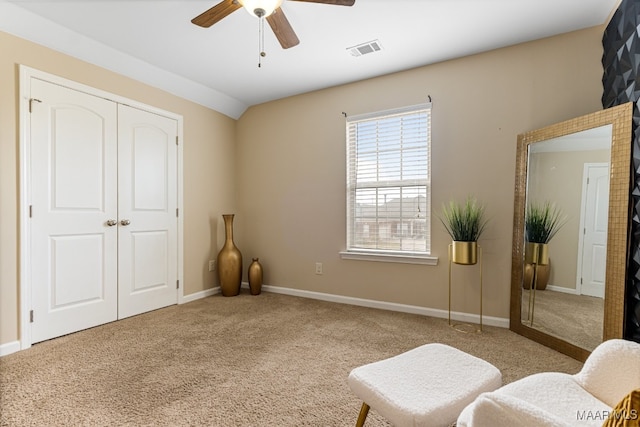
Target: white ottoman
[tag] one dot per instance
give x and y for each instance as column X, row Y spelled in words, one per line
column 427, row 386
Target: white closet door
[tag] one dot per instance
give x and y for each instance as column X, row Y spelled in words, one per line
column 147, row 203
column 73, row 178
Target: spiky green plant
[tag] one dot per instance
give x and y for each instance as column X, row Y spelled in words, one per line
column 464, row 222
column 542, row 222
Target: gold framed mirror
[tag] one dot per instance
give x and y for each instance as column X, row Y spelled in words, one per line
column 543, row 175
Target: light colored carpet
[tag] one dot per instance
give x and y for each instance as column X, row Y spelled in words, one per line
column 575, row 318
column 267, row 360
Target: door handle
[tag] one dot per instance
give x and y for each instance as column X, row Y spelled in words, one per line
column 111, row 222
column 125, row 222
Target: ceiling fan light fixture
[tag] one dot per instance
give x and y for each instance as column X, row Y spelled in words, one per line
column 260, row 8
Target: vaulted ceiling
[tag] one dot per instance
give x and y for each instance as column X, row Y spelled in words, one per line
column 155, row 41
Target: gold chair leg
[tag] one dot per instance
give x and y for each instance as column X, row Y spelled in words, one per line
column 363, row 415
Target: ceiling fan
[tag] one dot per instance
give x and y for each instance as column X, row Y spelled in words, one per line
column 268, row 9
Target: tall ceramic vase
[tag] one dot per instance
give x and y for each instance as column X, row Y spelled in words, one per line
column 229, row 262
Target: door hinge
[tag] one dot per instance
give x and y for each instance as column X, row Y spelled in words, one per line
column 31, row 316
column 31, row 101
column 177, row 284
column 30, row 211
column 176, row 139
column 177, row 212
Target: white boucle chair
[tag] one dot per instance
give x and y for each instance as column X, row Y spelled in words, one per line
column 427, row 386
column 554, row 399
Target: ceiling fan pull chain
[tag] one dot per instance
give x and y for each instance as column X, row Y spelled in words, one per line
column 261, row 41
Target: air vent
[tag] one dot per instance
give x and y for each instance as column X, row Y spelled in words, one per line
column 365, row 48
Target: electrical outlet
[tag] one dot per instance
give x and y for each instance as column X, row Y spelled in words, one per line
column 212, row 265
column 318, row 268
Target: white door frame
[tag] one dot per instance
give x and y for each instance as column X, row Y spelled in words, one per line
column 26, row 74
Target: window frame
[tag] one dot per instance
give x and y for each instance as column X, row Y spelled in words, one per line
column 387, row 255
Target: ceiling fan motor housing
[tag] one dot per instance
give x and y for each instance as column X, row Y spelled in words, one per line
column 261, row 8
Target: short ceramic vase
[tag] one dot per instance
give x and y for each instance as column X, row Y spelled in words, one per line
column 255, row 277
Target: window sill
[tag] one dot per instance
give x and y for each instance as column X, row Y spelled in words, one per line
column 389, row 257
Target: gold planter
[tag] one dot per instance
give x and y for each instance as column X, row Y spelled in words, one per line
column 536, row 253
column 465, row 253
column 255, row 277
column 229, row 262
column 542, row 276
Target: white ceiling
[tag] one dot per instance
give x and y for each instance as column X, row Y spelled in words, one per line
column 154, row 40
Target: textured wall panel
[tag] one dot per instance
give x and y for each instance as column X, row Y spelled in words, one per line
column 621, row 83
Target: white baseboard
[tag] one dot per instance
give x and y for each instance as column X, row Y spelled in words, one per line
column 563, row 290
column 404, row 308
column 198, row 295
column 10, row 347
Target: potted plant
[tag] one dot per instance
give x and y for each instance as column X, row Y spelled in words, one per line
column 541, row 223
column 465, row 224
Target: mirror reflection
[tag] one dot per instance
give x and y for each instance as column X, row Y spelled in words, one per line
column 564, row 295
column 585, row 176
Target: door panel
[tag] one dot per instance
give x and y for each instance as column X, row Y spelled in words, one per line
column 149, row 249
column 74, row 283
column 73, row 167
column 147, row 199
column 78, row 160
column 150, row 169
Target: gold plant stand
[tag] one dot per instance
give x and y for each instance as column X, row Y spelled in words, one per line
column 456, row 326
column 535, row 254
column 532, row 293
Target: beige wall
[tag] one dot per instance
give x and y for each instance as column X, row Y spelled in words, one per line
column 291, row 160
column 209, row 153
column 281, row 167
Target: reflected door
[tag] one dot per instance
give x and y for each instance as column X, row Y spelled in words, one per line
column 595, row 220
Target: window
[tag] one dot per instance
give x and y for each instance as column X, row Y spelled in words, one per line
column 388, row 182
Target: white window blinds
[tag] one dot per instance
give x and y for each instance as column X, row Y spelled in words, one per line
column 388, row 181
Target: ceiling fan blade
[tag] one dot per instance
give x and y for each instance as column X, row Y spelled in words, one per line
column 282, row 29
column 216, row 13
column 334, row 2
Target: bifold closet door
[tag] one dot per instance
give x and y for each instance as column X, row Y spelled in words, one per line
column 73, row 188
column 103, row 201
column 147, row 205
